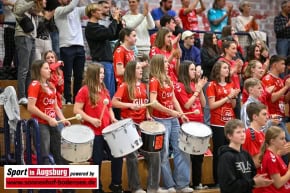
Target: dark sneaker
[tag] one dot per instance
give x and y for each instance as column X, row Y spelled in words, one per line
column 116, row 188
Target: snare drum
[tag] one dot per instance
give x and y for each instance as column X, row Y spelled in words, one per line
column 122, row 137
column 77, row 143
column 152, row 134
column 194, row 138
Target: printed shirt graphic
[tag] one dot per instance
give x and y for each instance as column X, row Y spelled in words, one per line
column 277, row 107
column 182, row 96
column 273, row 164
column 189, row 21
column 95, row 111
column 171, row 68
column 164, row 97
column 45, row 99
column 122, row 55
column 140, row 98
column 224, row 113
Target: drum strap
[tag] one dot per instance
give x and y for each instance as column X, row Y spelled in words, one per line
column 252, row 132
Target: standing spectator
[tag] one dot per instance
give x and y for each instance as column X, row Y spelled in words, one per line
column 188, row 16
column 98, row 37
column 189, row 93
column 123, row 53
column 141, row 23
column 106, row 13
column 166, row 110
column 271, row 163
column 222, row 95
column 218, row 16
column 163, row 45
column 68, row 21
column 209, row 53
column 245, row 23
column 282, row 30
column 165, row 8
column 189, row 51
column 276, row 102
column 25, row 46
column 9, row 32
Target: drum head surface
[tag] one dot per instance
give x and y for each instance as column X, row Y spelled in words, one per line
column 152, row 127
column 77, row 134
column 196, row 129
column 116, row 125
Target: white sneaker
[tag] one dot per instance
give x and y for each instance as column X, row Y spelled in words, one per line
column 139, row 191
column 186, row 189
column 200, row 187
column 161, row 190
column 23, row 101
column 171, row 190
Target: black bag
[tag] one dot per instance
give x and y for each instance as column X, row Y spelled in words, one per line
column 26, row 24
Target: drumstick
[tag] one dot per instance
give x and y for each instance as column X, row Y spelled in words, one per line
column 196, row 112
column 105, row 102
column 149, row 104
column 78, row 117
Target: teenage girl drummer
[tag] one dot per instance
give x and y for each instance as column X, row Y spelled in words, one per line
column 90, row 104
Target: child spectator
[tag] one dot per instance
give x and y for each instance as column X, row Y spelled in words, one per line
column 236, row 169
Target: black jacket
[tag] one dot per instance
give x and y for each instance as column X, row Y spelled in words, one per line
column 236, row 171
column 207, row 61
column 98, row 38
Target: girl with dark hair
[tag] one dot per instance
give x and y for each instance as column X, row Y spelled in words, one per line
column 210, row 53
column 123, row 52
column 163, row 45
column 43, row 106
column 89, row 104
column 166, row 110
column 222, row 95
column 189, row 93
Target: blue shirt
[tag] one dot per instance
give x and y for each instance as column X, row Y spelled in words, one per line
column 214, row 14
column 157, row 13
column 192, row 54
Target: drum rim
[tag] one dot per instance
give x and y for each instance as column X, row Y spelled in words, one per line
column 82, row 126
column 128, row 120
column 161, row 131
column 196, row 123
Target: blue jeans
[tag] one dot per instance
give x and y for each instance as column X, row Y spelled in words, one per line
column 25, row 50
column 181, row 173
column 54, row 36
column 283, row 46
column 100, row 145
column 109, row 77
column 74, row 60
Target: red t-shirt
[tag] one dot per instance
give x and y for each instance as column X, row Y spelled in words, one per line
column 153, row 38
column 182, row 96
column 224, row 113
column 277, row 107
column 164, row 97
column 122, row 55
column 235, row 77
column 45, row 99
column 171, row 69
column 273, row 164
column 189, row 21
column 59, row 85
column 95, row 111
column 140, row 98
column 254, row 141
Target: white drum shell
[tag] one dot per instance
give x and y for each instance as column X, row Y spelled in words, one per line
column 122, row 138
column 194, row 138
column 77, row 143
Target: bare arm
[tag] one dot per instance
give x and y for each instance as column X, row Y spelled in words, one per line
column 78, row 109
